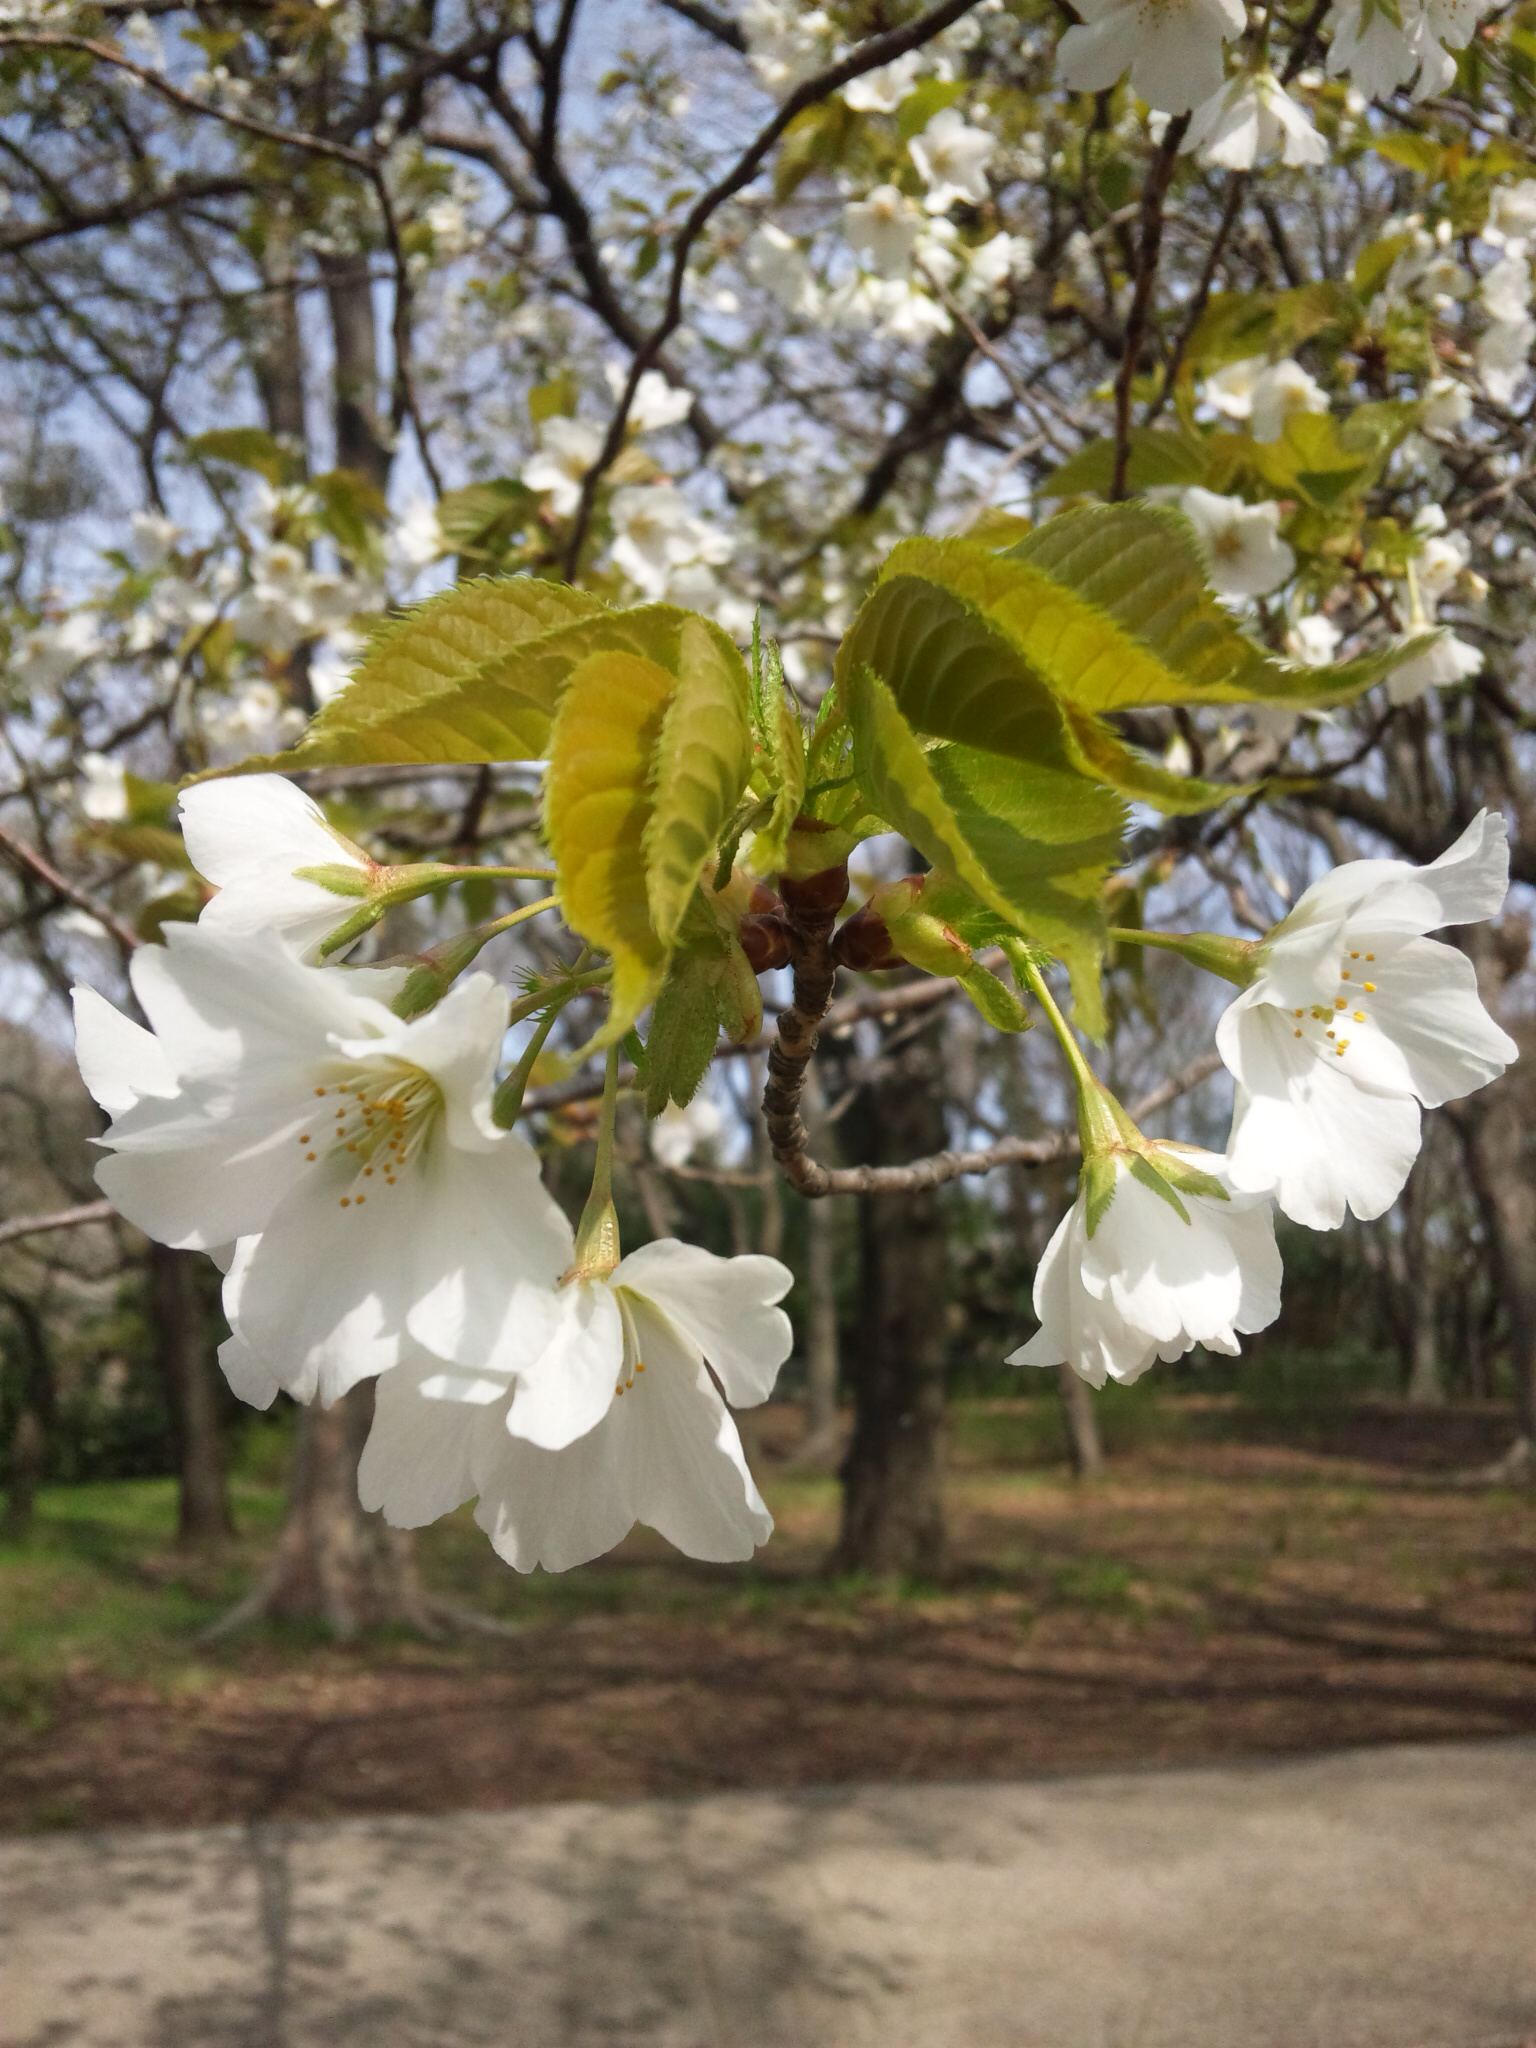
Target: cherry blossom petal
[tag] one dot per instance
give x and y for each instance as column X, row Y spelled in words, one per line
column 568, row 1388
column 724, row 1308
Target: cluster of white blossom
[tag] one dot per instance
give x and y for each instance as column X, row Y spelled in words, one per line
column 1174, row 52
column 372, row 1219
column 345, row 1168
column 1351, row 1019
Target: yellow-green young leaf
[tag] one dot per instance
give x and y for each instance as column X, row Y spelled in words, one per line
column 1158, row 457
column 698, row 770
column 1104, row 754
column 597, row 808
column 776, row 723
column 649, row 754
column 957, row 675
column 685, row 1028
column 1108, row 606
column 440, row 683
column 1033, row 841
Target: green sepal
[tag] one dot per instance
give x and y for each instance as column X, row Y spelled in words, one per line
column 362, row 920
column 339, row 877
column 1142, row 1169
column 1100, row 1177
column 1186, row 1177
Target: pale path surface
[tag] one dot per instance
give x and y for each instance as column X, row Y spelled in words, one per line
column 1372, row 1899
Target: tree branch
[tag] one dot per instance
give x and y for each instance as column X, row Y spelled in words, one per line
column 61, row 1219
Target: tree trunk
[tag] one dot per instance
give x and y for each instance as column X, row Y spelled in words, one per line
column 893, row 1501
column 1500, row 1145
column 1085, row 1447
column 361, row 442
column 28, row 1451
column 185, row 1355
column 1421, row 1295
column 335, row 1564
column 1497, row 1146
column 821, row 1342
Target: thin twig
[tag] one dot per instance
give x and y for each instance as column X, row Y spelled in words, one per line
column 61, row 1219
column 1158, row 180
column 28, row 861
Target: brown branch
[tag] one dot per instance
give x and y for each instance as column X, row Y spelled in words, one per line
column 248, row 124
column 61, row 1219
column 28, row 862
column 1158, row 180
column 815, row 1180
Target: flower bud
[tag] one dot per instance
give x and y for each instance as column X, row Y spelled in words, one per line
column 765, row 941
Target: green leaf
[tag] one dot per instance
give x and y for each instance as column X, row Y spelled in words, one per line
column 1110, row 606
column 928, row 97
column 994, row 999
column 776, row 725
column 685, row 1026
column 354, row 510
column 1031, row 841
column 597, row 812
column 698, row 771
column 649, row 753
column 448, row 681
column 1136, row 775
column 482, row 518
column 1158, row 458
column 250, row 448
column 553, row 400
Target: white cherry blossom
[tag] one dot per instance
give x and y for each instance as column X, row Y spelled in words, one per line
column 1448, row 660
column 1353, row 1020
column 618, row 1421
column 1253, row 119
column 1446, row 404
column 1243, row 545
column 776, row 261
column 1229, row 390
column 352, row 1154
column 1380, row 54
column 103, row 789
column 657, row 402
column 1001, row 260
column 951, row 157
column 883, row 90
column 882, row 230
column 1279, row 391
column 1173, row 49
column 1164, row 1269
column 251, row 836
column 656, row 534
column 567, row 450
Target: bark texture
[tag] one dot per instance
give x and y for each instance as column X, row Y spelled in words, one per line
column 184, row 1347
column 333, row 1563
column 893, row 1493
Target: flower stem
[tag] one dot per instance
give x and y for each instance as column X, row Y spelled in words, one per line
column 1220, row 953
column 535, row 1000
column 1102, row 1124
column 507, row 1103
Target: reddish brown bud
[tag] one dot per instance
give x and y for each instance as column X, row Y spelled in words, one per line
column 863, row 944
column 763, row 902
column 765, row 941
column 816, row 896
